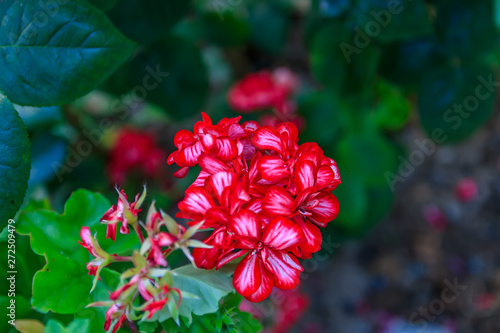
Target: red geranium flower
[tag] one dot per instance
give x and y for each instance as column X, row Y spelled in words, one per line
column 265, row 201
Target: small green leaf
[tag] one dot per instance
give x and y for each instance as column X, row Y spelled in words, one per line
column 52, row 53
column 14, row 159
column 393, row 109
column 209, row 286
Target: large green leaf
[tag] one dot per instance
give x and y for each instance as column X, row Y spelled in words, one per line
column 63, row 284
column 14, row 160
column 53, row 53
column 456, row 101
column 76, row 326
column 208, row 286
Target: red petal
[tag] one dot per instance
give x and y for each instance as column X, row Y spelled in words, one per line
column 247, row 275
column 182, row 172
column 326, row 210
column 267, row 138
column 189, row 155
column 290, row 130
column 172, row 158
column 226, row 149
column 211, row 164
column 312, row 235
column 328, row 177
column 305, row 174
column 183, row 139
column 236, row 131
column 286, row 269
column 255, row 205
column 265, row 287
column 206, row 258
column 220, row 181
column 200, row 180
column 246, row 224
column 273, row 168
column 229, row 257
column 195, row 204
column 282, row 233
column 277, row 202
column 208, row 141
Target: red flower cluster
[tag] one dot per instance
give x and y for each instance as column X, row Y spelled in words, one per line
column 263, row 194
column 267, row 90
column 134, row 151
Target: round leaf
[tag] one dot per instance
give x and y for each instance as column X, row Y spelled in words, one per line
column 14, row 160
column 52, row 54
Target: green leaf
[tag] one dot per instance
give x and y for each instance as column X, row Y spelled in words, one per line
column 14, row 160
column 323, row 117
column 76, row 326
column 456, row 101
column 110, row 280
column 63, row 284
column 328, row 62
column 148, row 327
column 467, row 27
column 271, row 18
column 228, row 318
column 146, row 21
column 51, row 53
column 408, row 62
column 228, row 32
column 393, row 109
column 171, row 74
column 367, row 155
column 209, row 286
column 341, row 66
column 51, row 232
column 353, row 200
column 405, row 20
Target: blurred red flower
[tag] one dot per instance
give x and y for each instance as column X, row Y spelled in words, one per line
column 134, row 150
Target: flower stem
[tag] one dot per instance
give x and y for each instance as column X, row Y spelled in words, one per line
column 138, row 231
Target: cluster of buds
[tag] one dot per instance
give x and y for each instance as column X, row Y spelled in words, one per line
column 263, row 195
column 268, row 90
column 150, row 278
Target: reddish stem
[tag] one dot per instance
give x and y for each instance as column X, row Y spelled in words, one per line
column 138, row 231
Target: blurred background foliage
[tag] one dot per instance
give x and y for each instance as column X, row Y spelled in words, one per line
column 359, row 88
